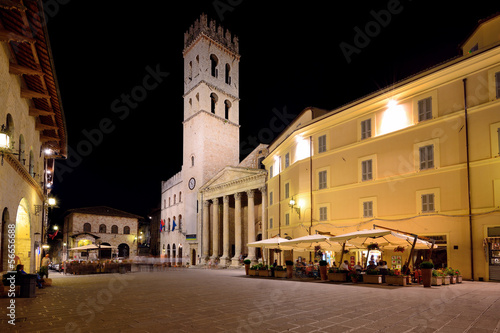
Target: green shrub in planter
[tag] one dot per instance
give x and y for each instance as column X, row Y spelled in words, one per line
column 279, row 268
column 247, row 261
column 426, row 264
column 373, row 272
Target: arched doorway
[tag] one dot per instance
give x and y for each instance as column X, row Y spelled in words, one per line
column 173, row 255
column 123, row 250
column 105, row 253
column 23, row 235
column 5, row 240
column 193, row 257
column 179, row 260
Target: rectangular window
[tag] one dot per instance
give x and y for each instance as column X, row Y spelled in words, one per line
column 271, row 194
column 322, row 144
column 425, row 109
column 366, row 129
column 287, row 190
column 323, row 213
column 270, row 223
column 497, row 84
column 427, row 203
column 368, row 209
column 287, row 219
column 322, row 182
column 287, row 160
column 271, row 172
column 366, row 170
column 426, row 157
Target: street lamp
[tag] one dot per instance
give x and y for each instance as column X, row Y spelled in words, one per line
column 292, row 206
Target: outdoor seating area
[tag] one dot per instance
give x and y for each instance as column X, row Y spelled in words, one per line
column 96, row 267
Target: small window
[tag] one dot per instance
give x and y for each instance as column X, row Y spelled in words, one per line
column 213, row 102
column 270, row 223
column 228, row 74
column 271, row 195
column 425, row 109
column 175, row 199
column 271, row 172
column 426, row 157
column 102, row 228
column 227, row 108
column 322, row 180
column 126, row 230
column 366, row 170
column 366, row 129
column 114, row 229
column 180, row 196
column 287, row 160
column 287, row 219
column 87, row 227
column 368, row 209
column 323, row 213
column 428, row 203
column 214, row 61
column 322, row 144
column 287, row 190
column 192, row 161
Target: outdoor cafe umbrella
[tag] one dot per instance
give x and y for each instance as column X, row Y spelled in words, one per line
column 276, row 243
column 90, row 247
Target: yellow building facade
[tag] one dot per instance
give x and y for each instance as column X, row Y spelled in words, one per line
column 421, row 156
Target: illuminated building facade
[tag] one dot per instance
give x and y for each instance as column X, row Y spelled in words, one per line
column 405, row 158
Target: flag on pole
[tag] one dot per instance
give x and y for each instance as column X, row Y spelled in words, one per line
column 52, row 236
column 173, row 225
column 162, row 225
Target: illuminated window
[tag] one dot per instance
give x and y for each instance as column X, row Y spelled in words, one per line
column 366, row 129
column 322, row 180
column 366, row 170
column 287, row 160
column 287, row 190
column 426, row 157
column 270, row 223
column 287, row 219
column 427, row 203
column 368, row 209
column 425, row 109
column 323, row 213
column 322, row 144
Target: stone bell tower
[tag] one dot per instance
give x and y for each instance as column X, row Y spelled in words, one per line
column 211, row 108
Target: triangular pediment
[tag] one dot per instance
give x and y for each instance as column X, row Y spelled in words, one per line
column 230, row 175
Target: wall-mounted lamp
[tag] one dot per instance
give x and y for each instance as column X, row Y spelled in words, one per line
column 292, row 206
column 5, row 147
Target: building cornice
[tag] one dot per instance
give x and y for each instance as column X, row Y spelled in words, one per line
column 211, row 115
column 21, row 171
column 213, row 87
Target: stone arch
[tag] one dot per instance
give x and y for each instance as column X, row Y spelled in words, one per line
column 23, row 234
column 179, row 255
column 213, row 102
column 4, row 241
column 123, row 250
column 227, row 108
column 214, row 61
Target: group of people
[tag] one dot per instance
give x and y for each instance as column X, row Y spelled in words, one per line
column 380, row 266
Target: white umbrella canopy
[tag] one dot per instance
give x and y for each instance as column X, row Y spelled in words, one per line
column 309, row 242
column 92, row 247
column 384, row 239
column 270, row 243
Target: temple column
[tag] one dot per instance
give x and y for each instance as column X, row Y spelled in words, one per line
column 225, row 260
column 237, row 230
column 263, row 191
column 206, row 231
column 215, row 234
column 251, row 225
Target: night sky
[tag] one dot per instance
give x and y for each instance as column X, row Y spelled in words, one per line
column 291, row 58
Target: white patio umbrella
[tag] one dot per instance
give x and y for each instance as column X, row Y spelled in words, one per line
column 272, row 243
column 309, row 242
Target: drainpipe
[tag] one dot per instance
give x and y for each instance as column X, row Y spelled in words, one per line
column 468, row 180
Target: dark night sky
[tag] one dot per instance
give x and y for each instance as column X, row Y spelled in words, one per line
column 290, row 58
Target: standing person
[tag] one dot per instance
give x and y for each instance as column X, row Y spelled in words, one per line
column 44, row 269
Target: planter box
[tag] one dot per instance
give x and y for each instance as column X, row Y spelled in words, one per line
column 280, row 274
column 453, row 279
column 459, row 278
column 265, row 273
column 437, row 281
column 253, row 272
column 337, row 277
column 368, row 278
column 397, row 280
column 446, row 280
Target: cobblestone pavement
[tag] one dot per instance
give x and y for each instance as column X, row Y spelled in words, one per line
column 201, row 300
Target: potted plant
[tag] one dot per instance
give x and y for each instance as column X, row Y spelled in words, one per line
column 247, row 265
column 394, row 277
column 458, row 275
column 426, row 267
column 451, row 272
column 254, row 270
column 264, row 271
column 289, row 269
column 372, row 276
column 337, row 275
column 280, row 272
column 354, row 276
column 437, row 277
column 322, row 269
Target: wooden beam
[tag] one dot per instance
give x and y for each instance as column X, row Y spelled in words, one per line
column 26, row 93
column 41, row 127
column 9, row 36
column 38, row 112
column 45, row 138
column 22, row 70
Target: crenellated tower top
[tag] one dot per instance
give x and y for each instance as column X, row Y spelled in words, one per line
column 202, row 27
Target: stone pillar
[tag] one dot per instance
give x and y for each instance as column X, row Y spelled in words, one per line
column 237, row 230
column 265, row 254
column 206, row 231
column 215, row 234
column 251, row 225
column 225, row 260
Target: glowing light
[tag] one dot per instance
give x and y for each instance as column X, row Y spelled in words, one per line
column 394, row 118
column 48, row 151
column 302, row 149
column 302, row 203
column 52, row 201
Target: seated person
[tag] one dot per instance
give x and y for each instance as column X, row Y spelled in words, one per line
column 345, row 265
column 382, row 267
column 20, row 271
column 358, row 268
column 371, row 265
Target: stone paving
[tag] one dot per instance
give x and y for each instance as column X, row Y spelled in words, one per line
column 203, row 300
